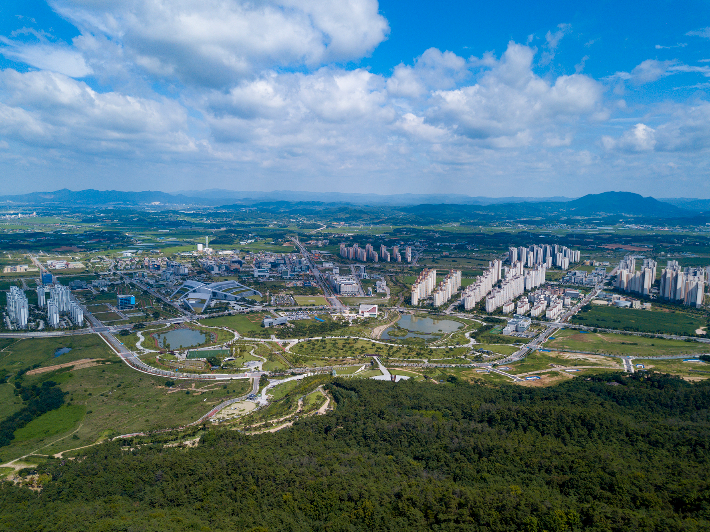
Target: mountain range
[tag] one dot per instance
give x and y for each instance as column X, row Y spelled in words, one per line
column 606, row 203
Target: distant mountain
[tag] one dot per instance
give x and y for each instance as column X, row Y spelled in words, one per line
column 98, row 197
column 605, row 204
column 358, row 198
column 692, row 204
column 215, row 197
column 425, row 206
column 626, row 203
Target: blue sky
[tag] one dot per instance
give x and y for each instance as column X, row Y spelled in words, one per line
column 495, row 98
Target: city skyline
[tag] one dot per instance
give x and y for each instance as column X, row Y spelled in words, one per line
column 357, row 97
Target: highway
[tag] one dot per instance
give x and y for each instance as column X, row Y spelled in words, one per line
column 332, row 299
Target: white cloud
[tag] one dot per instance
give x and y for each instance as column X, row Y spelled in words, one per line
column 686, row 130
column 704, row 32
column 552, row 40
column 45, row 55
column 510, row 102
column 670, row 47
column 652, row 70
column 682, row 128
column 432, row 70
column 219, row 42
column 52, row 109
column 638, row 139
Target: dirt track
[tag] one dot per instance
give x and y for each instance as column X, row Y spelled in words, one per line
column 77, row 364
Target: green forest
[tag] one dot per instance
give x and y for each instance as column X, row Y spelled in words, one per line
column 613, row 452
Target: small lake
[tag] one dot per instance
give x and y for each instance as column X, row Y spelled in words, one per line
column 181, row 338
column 61, row 351
column 419, row 327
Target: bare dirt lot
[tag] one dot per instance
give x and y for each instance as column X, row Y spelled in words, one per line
column 77, row 364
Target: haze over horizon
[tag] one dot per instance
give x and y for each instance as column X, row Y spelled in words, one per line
column 389, row 98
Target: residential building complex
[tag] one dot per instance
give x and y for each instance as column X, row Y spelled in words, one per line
column 17, row 307
column 639, row 282
column 549, row 255
column 368, row 253
column 423, row 286
column 447, row 287
column 685, row 286
column 482, row 286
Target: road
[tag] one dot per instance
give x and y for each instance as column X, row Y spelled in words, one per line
column 225, row 404
column 159, row 296
column 541, row 338
column 332, row 299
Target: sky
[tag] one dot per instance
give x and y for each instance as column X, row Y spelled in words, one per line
column 506, row 98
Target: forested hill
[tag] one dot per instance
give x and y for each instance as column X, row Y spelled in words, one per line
column 613, row 453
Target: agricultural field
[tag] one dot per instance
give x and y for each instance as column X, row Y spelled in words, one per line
column 622, row 344
column 650, row 321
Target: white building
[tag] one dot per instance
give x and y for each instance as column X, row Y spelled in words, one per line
column 17, row 307
column 630, row 280
column 344, row 285
column 484, row 283
column 447, row 288
column 684, row 286
column 423, row 286
column 554, row 310
column 367, row 311
column 52, row 313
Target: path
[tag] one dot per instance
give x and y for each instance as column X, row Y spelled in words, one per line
column 139, row 343
column 377, row 331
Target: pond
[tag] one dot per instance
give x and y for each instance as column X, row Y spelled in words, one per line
column 181, row 338
column 418, row 327
column 61, row 351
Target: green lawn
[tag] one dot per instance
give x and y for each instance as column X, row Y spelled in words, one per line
column 51, row 423
column 497, row 348
column 651, row 321
column 311, row 301
column 9, row 402
column 622, row 344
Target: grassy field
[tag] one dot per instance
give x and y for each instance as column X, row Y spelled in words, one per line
column 9, row 402
column 653, row 321
column 242, row 323
column 621, row 344
column 694, row 370
column 497, row 348
column 311, row 301
column 102, row 400
column 51, row 423
column 337, row 350
column 538, row 361
column 21, row 354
